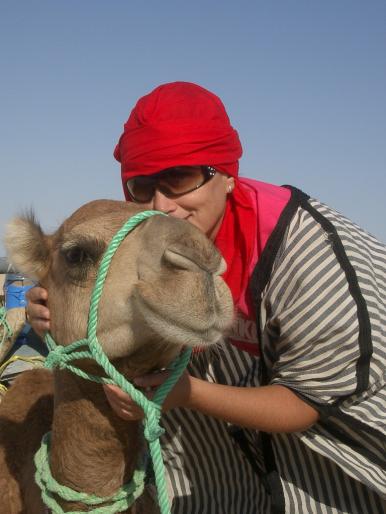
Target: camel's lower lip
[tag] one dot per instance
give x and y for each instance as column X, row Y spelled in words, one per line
column 193, row 335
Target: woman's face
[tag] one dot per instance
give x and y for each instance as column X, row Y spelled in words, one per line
column 203, row 207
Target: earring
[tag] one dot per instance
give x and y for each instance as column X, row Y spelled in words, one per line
column 229, row 189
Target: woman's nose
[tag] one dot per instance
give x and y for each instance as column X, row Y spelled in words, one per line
column 163, row 203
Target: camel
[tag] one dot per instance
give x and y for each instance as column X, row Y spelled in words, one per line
column 16, row 320
column 163, row 291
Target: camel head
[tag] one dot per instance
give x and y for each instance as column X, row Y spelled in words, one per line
column 163, row 289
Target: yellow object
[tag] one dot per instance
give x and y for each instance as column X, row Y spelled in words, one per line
column 31, row 360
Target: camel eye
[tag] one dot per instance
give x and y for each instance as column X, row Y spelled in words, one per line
column 81, row 255
column 75, row 255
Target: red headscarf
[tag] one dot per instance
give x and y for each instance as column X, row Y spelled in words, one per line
column 184, row 124
column 177, row 124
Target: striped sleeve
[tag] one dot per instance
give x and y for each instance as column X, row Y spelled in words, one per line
column 312, row 322
column 323, row 320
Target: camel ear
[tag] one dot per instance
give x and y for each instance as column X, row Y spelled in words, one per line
column 28, row 248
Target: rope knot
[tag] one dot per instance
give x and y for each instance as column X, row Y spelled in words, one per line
column 152, row 430
column 55, row 358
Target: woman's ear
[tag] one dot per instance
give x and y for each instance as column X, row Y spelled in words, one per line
column 230, row 184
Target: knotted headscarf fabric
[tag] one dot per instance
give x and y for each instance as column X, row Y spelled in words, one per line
column 179, row 123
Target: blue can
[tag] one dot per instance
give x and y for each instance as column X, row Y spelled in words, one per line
column 15, row 287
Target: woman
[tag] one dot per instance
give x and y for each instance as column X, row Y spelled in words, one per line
column 309, row 289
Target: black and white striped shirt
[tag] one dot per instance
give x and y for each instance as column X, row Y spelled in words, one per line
column 320, row 289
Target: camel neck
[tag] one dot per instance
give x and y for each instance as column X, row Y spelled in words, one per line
column 92, row 449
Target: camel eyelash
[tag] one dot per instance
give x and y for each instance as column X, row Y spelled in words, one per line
column 82, row 251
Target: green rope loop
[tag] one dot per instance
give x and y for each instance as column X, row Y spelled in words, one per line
column 8, row 332
column 49, row 486
column 61, row 357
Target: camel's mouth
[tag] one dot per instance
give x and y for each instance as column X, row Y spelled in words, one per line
column 155, row 376
column 158, row 375
column 197, row 327
column 149, row 359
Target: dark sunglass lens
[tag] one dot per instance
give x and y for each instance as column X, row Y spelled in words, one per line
column 182, row 179
column 141, row 189
column 172, row 182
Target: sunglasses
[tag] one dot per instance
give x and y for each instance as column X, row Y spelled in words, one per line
column 172, row 183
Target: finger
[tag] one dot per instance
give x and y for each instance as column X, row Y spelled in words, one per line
column 125, row 411
column 115, row 393
column 119, row 400
column 40, row 327
column 38, row 312
column 39, row 318
column 132, row 408
column 37, row 294
column 129, row 415
column 116, row 406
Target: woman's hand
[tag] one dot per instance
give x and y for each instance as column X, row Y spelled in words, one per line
column 125, row 407
column 272, row 408
column 38, row 314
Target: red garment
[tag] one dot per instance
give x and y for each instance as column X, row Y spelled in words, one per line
column 251, row 214
column 236, row 239
column 177, row 124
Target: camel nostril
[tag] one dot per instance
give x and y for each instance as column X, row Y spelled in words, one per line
column 181, row 261
column 177, row 259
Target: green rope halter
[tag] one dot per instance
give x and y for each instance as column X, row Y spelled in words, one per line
column 61, row 356
column 119, row 502
column 8, row 332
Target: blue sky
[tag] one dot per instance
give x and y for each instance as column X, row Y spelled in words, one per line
column 304, row 83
